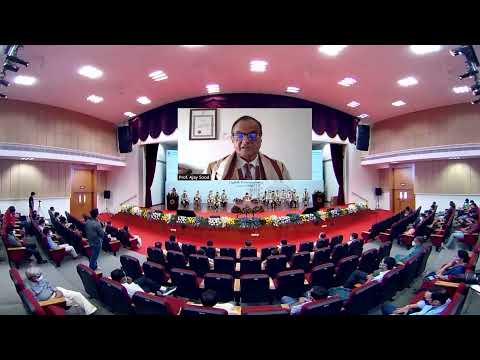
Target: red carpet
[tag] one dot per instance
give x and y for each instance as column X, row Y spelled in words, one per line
column 267, row 235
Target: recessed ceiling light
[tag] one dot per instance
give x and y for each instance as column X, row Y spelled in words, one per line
column 293, row 89
column 193, row 46
column 424, row 49
column 363, row 116
column 129, row 114
column 213, row 88
column 24, row 80
column 353, row 104
column 461, row 89
column 144, row 100
column 331, row 50
column 455, row 158
column 95, row 99
column 158, row 75
column 348, row 81
column 258, row 65
column 398, row 103
column 28, row 159
column 90, row 72
column 408, row 81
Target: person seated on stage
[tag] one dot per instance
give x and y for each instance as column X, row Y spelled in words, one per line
column 455, row 267
column 210, row 199
column 224, row 199
column 275, row 252
column 417, row 246
column 42, row 290
column 209, row 299
column 305, row 198
column 211, row 262
column 130, row 236
column 359, row 277
column 247, row 197
column 315, row 294
column 30, row 249
column 142, row 284
column 353, row 236
column 435, row 300
column 185, row 202
column 434, row 206
column 197, row 200
column 52, row 245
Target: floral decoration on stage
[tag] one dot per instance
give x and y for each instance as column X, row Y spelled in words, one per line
column 242, row 222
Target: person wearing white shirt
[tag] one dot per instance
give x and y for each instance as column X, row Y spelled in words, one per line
column 435, row 301
column 119, row 275
column 209, row 299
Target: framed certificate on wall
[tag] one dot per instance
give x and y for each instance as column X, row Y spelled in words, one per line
column 203, row 124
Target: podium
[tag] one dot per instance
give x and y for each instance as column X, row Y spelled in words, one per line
column 172, row 202
column 318, row 200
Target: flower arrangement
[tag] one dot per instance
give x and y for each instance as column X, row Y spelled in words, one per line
column 243, row 222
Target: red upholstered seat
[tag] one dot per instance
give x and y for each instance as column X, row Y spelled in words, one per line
column 194, row 310
column 270, row 310
column 17, row 279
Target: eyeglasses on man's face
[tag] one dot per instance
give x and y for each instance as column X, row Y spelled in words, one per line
column 252, row 136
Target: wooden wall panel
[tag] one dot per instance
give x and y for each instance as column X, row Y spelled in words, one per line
column 82, row 181
column 47, row 179
column 28, row 123
column 440, row 126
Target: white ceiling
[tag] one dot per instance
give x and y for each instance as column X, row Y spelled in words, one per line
column 376, row 68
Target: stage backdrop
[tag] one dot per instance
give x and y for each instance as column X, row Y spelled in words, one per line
column 238, row 188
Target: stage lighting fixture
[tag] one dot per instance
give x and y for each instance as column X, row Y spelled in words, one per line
column 472, row 71
column 2, row 96
column 18, row 60
column 476, row 101
column 4, row 82
column 476, row 89
column 10, row 67
column 459, row 51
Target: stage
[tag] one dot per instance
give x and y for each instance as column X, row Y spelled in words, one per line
column 152, row 231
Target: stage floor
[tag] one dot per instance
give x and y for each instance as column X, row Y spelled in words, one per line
column 152, row 231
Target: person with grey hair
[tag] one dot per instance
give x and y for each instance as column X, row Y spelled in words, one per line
column 42, row 291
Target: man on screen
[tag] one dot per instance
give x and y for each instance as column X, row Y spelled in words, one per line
column 247, row 162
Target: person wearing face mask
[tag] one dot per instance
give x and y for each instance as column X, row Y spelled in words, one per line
column 247, row 162
column 417, row 246
column 52, row 245
column 42, row 290
column 435, row 301
column 361, row 277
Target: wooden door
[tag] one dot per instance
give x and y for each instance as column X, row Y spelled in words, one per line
column 403, row 191
column 82, row 198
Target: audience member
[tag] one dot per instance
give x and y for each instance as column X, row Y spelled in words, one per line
column 353, row 236
column 282, row 244
column 42, row 291
column 209, row 299
column 248, row 243
column 211, row 262
column 435, row 301
column 52, row 245
column 455, row 267
column 459, row 234
column 315, row 294
column 417, row 246
column 95, row 234
column 30, row 249
column 9, row 218
column 142, row 284
column 130, row 236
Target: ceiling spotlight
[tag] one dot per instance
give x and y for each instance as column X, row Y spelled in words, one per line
column 129, row 114
column 3, row 96
column 424, row 49
column 331, row 50
column 10, row 67
column 399, row 103
column 95, row 99
column 293, row 89
column 363, row 116
column 18, row 61
column 258, row 65
column 467, row 51
column 476, row 89
column 158, row 75
column 353, row 104
column 476, row 101
column 461, row 89
column 348, row 81
column 90, row 72
column 213, row 88
column 144, row 100
column 24, row 80
column 4, row 82
column 408, row 81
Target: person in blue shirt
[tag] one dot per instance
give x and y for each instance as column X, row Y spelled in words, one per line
column 435, row 301
column 417, row 246
column 54, row 246
column 455, row 267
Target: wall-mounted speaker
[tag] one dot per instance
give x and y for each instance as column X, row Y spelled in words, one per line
column 124, row 139
column 363, row 137
column 378, row 191
column 106, row 194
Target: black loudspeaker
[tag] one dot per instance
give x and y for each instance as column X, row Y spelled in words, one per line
column 363, row 137
column 378, row 191
column 309, row 210
column 106, row 194
column 187, row 213
column 124, row 139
